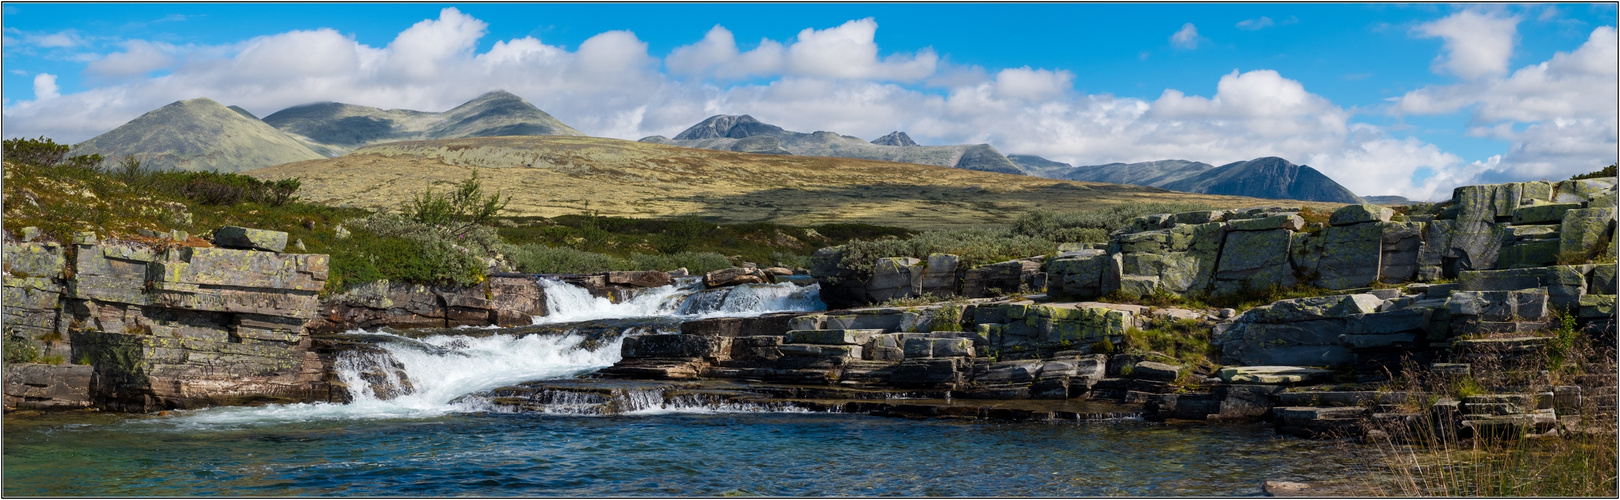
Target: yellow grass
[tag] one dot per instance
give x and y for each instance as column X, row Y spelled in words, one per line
column 557, row 175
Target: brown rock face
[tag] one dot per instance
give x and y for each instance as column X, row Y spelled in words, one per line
column 189, row 327
column 734, row 276
column 505, row 300
column 640, row 279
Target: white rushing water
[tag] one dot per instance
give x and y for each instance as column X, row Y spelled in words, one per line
column 404, row 377
column 439, row 369
column 567, row 303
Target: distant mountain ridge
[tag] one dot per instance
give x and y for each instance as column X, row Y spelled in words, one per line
column 744, row 133
column 199, row 134
column 1267, row 177
column 335, row 128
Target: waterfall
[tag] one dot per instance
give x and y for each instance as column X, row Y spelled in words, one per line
column 404, row 377
column 566, row 303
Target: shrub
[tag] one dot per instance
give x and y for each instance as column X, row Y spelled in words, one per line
column 1091, row 226
column 461, row 210
column 19, row 350
column 542, row 259
column 975, row 246
column 1608, row 171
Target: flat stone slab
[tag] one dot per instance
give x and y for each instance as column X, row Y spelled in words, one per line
column 831, row 337
column 1272, row 374
column 250, row 239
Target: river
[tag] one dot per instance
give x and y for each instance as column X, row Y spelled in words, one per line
column 441, row 439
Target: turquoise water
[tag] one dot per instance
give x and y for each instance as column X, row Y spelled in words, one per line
column 674, row 454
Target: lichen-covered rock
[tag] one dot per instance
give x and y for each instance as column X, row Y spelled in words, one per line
column 1302, row 343
column 250, row 239
column 1402, row 243
column 1254, row 260
column 1487, row 202
column 1527, row 253
column 893, row 278
column 1453, row 246
column 1001, row 278
column 940, row 277
column 733, row 276
column 1541, row 214
column 1356, row 214
column 1082, row 278
column 1597, row 306
column 1501, row 306
column 1152, row 370
column 1586, row 230
column 1181, row 259
column 1289, row 222
column 1602, row 279
column 1351, row 255
column 34, row 260
column 1313, row 308
column 1587, row 191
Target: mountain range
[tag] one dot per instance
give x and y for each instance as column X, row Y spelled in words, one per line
column 198, row 134
column 201, row 134
column 745, row 134
column 1267, row 177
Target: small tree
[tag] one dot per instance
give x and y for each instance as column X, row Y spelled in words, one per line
column 460, row 211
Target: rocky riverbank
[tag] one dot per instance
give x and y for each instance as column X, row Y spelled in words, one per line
column 1494, row 276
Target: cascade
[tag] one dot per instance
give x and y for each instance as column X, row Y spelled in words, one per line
column 685, row 299
column 420, row 376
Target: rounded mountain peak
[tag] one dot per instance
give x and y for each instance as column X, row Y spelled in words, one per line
column 729, row 126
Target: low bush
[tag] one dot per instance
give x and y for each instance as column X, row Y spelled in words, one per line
column 1091, row 226
column 975, row 247
column 1608, row 171
column 542, row 259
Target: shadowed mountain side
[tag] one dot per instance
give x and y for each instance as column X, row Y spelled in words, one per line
column 726, row 132
column 1147, row 173
column 557, row 175
column 198, row 134
column 335, row 128
column 1268, row 177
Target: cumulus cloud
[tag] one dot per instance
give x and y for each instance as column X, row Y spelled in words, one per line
column 838, row 79
column 1476, row 44
column 717, row 56
column 847, row 51
column 1186, row 38
column 1558, row 115
column 45, row 86
column 139, row 57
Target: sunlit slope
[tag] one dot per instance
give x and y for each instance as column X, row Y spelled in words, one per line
column 558, row 175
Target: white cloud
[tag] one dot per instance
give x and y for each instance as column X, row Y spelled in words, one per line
column 1032, row 84
column 1476, row 44
column 847, row 51
column 433, row 47
column 1262, row 22
column 58, row 40
column 837, row 79
column 138, row 58
column 1558, row 115
column 45, row 86
column 1186, row 38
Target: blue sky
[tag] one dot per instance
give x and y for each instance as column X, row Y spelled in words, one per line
column 1399, row 99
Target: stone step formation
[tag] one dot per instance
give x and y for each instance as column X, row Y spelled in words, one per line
column 1457, row 293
